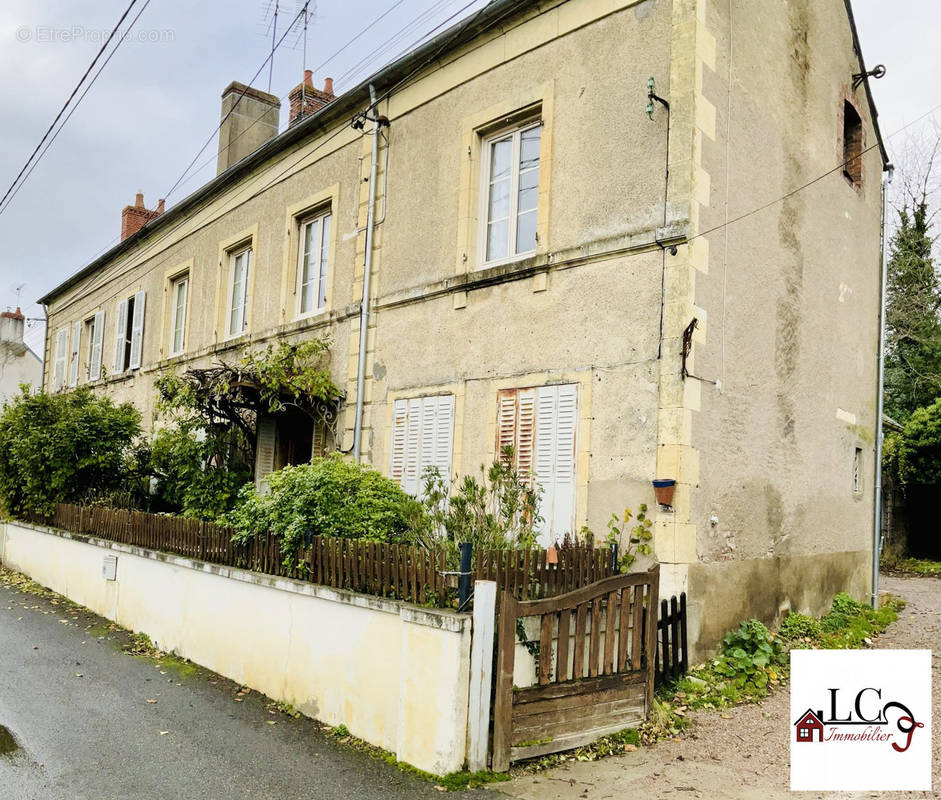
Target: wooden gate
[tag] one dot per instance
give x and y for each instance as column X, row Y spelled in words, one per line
column 592, row 678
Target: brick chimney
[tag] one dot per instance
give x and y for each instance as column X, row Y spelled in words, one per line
column 11, row 326
column 305, row 99
column 135, row 217
column 250, row 118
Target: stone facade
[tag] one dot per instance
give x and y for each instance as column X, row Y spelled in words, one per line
column 760, row 430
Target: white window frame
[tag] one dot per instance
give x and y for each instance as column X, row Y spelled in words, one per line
column 323, row 271
column 515, row 133
column 178, row 285
column 230, row 306
column 95, row 346
column 75, row 353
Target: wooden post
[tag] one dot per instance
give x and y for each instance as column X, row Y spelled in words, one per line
column 653, row 594
column 464, row 579
column 503, row 696
column 481, row 672
column 684, row 666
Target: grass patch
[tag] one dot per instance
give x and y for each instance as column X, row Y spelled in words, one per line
column 452, row 782
column 918, row 566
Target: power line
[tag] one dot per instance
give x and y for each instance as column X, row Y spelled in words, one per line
column 73, row 109
column 69, row 100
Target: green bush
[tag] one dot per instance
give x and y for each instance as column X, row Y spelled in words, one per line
column 798, row 626
column 64, row 447
column 330, row 497
column 198, row 476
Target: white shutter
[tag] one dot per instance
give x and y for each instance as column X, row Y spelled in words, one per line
column 61, row 354
column 94, row 366
column 265, row 434
column 555, row 460
column 137, row 331
column 120, row 334
column 422, row 437
column 73, row 353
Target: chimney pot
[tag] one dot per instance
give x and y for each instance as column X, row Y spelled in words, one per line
column 308, row 78
column 139, row 200
column 160, row 205
column 328, row 85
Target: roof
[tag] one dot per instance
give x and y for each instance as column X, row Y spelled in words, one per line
column 809, row 712
column 873, row 113
column 342, row 108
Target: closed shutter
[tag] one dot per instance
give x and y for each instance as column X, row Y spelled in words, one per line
column 61, row 356
column 554, row 468
column 94, row 365
column 265, row 435
column 422, row 437
column 73, row 353
column 137, row 331
column 120, row 337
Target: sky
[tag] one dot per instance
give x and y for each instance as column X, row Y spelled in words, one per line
column 157, row 102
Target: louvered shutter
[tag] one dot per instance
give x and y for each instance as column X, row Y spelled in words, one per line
column 94, row 365
column 554, row 460
column 120, row 336
column 73, row 353
column 265, row 434
column 516, row 425
column 137, row 331
column 422, row 437
column 61, row 355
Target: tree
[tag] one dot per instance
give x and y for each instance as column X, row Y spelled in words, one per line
column 66, row 447
column 913, row 330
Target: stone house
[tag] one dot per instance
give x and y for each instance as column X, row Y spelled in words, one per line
column 578, row 228
column 18, row 363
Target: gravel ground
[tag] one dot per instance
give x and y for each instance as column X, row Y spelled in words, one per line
column 742, row 753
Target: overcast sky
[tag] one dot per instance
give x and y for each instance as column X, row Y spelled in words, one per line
column 158, row 100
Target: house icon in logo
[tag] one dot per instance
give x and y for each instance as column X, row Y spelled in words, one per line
column 809, row 722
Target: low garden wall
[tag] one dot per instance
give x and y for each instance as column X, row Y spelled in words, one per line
column 395, row 674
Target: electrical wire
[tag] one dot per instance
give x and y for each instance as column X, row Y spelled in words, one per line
column 78, row 86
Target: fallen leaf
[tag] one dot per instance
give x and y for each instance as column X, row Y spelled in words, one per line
column 151, row 700
column 164, row 733
column 79, row 675
column 272, row 722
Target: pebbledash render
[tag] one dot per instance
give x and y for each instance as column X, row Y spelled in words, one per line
column 536, row 279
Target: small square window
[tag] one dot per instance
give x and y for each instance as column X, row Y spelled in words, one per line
column 857, row 481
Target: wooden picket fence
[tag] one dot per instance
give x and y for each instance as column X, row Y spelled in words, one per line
column 403, row 572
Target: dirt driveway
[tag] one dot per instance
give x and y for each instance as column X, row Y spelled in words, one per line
column 740, row 754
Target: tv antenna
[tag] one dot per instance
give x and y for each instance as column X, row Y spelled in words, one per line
column 296, row 35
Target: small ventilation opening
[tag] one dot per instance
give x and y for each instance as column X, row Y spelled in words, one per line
column 852, row 144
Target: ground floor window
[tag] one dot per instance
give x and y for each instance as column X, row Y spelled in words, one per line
column 422, row 437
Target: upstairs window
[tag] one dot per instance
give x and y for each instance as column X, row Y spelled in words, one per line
column 241, row 264
column 74, row 353
column 94, row 333
column 852, row 145
column 60, row 359
column 313, row 255
column 510, row 193
column 129, row 333
column 179, row 289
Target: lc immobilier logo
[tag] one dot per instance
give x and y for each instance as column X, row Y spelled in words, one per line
column 867, row 715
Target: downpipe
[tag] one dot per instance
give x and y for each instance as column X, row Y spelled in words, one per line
column 880, row 388
column 367, row 273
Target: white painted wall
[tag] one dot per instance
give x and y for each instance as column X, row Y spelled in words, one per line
column 396, row 675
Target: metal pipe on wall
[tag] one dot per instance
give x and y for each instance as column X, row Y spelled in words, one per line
column 367, row 270
column 880, row 386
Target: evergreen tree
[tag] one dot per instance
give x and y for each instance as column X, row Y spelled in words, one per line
column 913, row 328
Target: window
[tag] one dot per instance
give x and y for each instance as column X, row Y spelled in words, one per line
column 540, row 425
column 422, row 434
column 94, row 333
column 313, row 252
column 804, row 733
column 857, row 458
column 74, row 353
column 510, row 193
column 852, row 144
column 60, row 360
column 179, row 288
column 238, row 296
column 129, row 333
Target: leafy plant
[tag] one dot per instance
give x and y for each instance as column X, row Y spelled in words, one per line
column 798, row 626
column 65, row 447
column 330, row 497
column 498, row 511
column 633, row 541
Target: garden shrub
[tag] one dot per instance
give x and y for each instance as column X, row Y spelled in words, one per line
column 197, row 475
column 64, row 447
column 798, row 626
column 329, row 497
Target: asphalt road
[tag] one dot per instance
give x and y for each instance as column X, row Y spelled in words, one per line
column 80, row 710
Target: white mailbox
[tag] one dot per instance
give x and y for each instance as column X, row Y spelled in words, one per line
column 109, row 568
